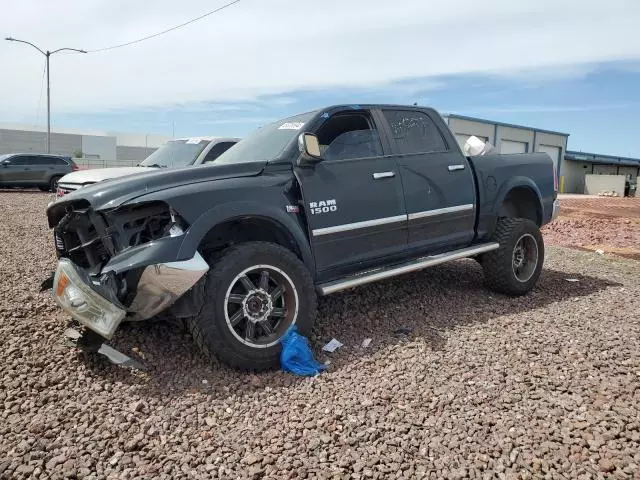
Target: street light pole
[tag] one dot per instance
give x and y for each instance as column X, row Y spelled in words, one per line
column 47, row 55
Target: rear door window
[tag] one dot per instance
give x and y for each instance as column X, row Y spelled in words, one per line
column 414, row 132
column 217, row 150
column 21, row 160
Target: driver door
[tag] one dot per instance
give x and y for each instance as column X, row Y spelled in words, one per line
column 15, row 170
column 353, row 197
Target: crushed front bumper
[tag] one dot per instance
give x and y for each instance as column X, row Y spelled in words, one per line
column 159, row 286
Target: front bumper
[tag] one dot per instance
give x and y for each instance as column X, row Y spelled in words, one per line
column 556, row 209
column 159, row 286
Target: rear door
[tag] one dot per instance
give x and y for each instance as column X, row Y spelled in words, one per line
column 42, row 168
column 353, row 198
column 439, row 188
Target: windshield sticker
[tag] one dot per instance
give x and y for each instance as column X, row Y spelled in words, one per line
column 291, row 126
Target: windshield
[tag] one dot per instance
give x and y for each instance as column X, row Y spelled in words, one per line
column 6, row 155
column 176, row 153
column 267, row 142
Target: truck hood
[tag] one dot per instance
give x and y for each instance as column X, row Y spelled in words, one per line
column 82, row 177
column 114, row 192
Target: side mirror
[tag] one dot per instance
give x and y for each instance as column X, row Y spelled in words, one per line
column 6, row 162
column 309, row 149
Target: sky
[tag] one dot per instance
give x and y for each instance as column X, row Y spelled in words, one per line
column 566, row 65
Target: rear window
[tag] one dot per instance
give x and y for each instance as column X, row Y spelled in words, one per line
column 414, row 132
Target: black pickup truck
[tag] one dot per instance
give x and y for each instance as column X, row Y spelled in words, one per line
column 306, row 206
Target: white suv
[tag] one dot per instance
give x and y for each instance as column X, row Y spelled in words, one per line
column 182, row 152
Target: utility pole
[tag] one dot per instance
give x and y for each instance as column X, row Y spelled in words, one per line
column 47, row 55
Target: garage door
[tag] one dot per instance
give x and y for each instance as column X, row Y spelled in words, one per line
column 463, row 137
column 553, row 152
column 509, row 146
column 633, row 171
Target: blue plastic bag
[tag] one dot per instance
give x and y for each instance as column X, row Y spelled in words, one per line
column 296, row 356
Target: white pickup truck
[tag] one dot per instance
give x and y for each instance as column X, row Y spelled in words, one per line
column 181, row 152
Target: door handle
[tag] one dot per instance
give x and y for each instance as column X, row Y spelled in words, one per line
column 453, row 168
column 379, row 175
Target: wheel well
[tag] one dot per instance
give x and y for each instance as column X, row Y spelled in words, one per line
column 521, row 202
column 242, row 230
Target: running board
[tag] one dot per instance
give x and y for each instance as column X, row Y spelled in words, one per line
column 381, row 273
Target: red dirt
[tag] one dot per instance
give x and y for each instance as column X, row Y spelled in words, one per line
column 609, row 224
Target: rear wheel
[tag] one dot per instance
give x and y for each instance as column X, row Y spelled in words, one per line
column 514, row 268
column 253, row 293
column 53, row 184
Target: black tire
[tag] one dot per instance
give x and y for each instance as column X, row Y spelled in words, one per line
column 503, row 270
column 53, row 184
column 212, row 328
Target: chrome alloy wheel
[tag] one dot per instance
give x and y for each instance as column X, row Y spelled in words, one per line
column 525, row 258
column 260, row 305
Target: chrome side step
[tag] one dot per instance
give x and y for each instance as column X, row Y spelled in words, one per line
column 381, row 273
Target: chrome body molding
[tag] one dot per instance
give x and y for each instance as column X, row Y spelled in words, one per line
column 440, row 211
column 386, row 220
column 355, row 226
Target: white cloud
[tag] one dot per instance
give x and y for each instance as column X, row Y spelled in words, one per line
column 263, row 47
column 552, row 108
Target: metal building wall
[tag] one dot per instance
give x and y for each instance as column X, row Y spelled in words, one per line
column 503, row 135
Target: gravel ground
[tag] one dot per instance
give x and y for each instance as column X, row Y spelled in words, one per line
column 483, row 386
column 600, row 223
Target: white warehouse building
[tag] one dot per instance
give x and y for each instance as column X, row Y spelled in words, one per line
column 509, row 138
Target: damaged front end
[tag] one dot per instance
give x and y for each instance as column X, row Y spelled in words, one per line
column 119, row 264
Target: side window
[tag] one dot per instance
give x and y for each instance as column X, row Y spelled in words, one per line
column 414, row 132
column 349, row 135
column 217, row 150
column 56, row 161
column 41, row 161
column 21, row 161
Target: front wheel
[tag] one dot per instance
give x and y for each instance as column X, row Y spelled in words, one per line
column 515, row 266
column 253, row 293
column 53, row 184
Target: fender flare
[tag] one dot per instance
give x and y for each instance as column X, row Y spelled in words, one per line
column 290, row 223
column 517, row 182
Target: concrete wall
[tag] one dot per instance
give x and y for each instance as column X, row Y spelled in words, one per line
column 16, row 138
column 133, row 153
column 573, row 173
column 595, row 184
column 98, row 147
column 26, row 141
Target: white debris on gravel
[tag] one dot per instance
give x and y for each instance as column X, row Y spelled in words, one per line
column 539, row 386
column 332, row 346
